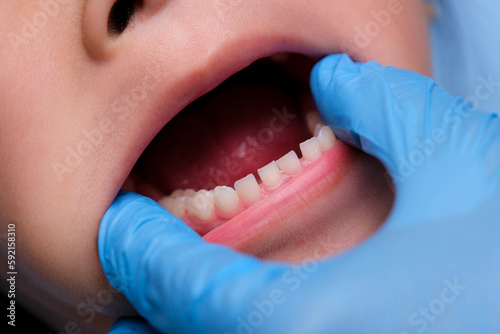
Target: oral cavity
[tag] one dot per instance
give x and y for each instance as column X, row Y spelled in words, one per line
column 206, row 209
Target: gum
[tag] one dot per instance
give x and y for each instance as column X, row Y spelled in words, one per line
column 290, row 188
column 263, row 219
column 219, row 218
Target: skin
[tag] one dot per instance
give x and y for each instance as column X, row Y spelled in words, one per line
column 72, row 78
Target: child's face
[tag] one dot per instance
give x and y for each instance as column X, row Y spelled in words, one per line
column 78, row 105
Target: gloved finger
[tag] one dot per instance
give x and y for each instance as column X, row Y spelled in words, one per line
column 132, row 325
column 427, row 139
column 384, row 111
column 170, row 274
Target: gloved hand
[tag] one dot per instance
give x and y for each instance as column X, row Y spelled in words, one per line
column 433, row 267
column 465, row 55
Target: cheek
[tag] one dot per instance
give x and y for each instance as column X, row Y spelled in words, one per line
column 44, row 113
column 392, row 32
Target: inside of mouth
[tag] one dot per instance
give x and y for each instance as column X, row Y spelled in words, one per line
column 235, row 145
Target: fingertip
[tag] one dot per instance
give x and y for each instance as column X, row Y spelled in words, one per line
column 334, row 72
column 108, row 227
column 122, row 200
column 123, row 220
column 330, row 67
column 323, row 72
column 328, row 80
column 342, row 89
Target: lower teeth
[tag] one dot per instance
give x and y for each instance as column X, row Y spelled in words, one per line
column 223, row 203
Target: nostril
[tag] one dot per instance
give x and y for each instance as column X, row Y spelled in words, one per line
column 121, row 14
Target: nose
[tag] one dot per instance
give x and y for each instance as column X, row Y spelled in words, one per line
column 179, row 24
column 96, row 37
column 193, row 44
column 229, row 31
column 180, row 27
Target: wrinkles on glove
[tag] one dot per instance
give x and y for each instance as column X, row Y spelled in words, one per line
column 437, row 150
column 163, row 267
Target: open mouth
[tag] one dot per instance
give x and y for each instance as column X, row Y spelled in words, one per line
column 251, row 165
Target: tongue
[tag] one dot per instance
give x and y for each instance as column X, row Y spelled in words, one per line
column 236, row 132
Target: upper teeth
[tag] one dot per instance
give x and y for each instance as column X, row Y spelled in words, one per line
column 226, row 202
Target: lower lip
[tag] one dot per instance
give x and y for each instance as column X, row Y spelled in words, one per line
column 270, row 221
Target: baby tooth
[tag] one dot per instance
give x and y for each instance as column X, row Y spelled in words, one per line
column 312, row 120
column 317, row 129
column 326, row 138
column 178, row 206
column 190, row 208
column 189, row 192
column 166, row 202
column 177, row 193
column 270, row 174
column 248, row 188
column 201, row 205
column 311, row 149
column 208, row 193
column 290, row 163
column 226, row 199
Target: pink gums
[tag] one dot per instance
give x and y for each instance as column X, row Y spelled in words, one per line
column 263, row 220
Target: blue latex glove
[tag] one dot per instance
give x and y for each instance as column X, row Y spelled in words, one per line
column 434, row 266
column 132, row 325
column 465, row 50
